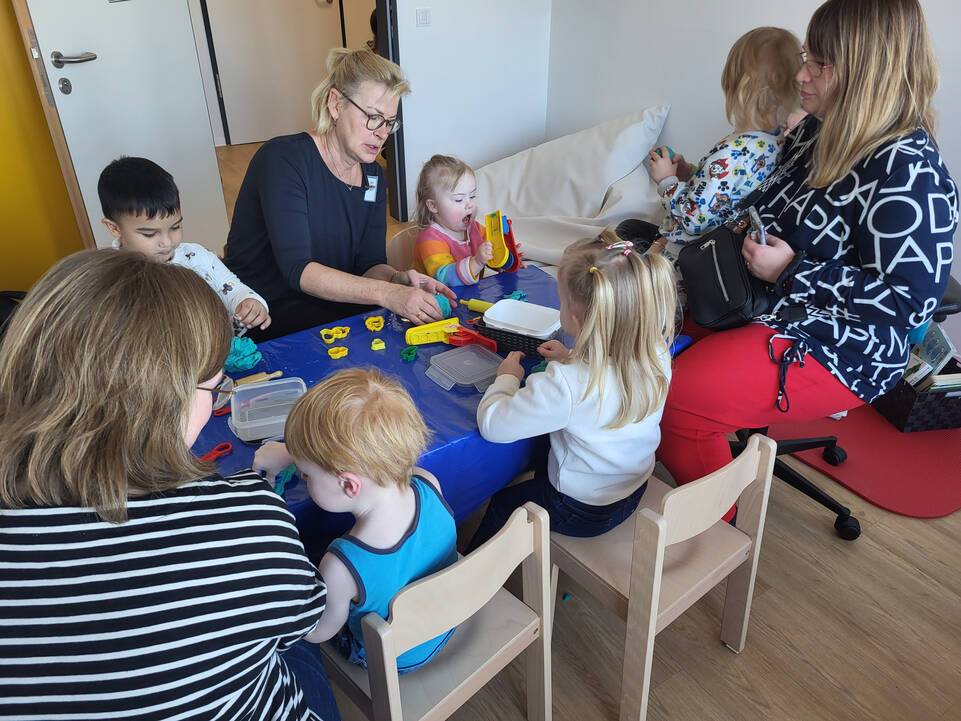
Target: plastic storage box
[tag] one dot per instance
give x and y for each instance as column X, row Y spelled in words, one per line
column 466, row 366
column 259, row 410
column 524, row 318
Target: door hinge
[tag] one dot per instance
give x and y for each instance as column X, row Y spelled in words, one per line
column 220, row 92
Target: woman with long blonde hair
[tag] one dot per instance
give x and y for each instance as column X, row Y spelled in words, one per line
column 600, row 401
column 308, row 230
column 137, row 583
column 860, row 216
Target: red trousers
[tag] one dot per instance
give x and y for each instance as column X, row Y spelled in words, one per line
column 727, row 381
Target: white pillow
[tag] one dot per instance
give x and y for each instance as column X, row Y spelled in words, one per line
column 570, row 176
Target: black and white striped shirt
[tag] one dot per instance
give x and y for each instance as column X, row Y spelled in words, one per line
column 178, row 613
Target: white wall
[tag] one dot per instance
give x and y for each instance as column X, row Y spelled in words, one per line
column 479, row 79
column 611, row 56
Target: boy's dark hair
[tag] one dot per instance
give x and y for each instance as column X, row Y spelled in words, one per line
column 135, row 186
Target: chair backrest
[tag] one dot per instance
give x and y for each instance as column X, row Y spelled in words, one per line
column 694, row 507
column 400, row 249
column 435, row 604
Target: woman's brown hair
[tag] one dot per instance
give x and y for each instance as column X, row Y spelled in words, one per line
column 884, row 78
column 97, row 371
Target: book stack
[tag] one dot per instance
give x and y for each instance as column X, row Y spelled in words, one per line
column 928, row 359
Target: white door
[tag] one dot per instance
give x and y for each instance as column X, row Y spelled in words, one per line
column 141, row 95
column 271, row 54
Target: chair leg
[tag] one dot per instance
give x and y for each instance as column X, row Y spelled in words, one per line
column 737, row 605
column 538, row 662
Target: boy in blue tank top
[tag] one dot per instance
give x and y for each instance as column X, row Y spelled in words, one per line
column 355, row 438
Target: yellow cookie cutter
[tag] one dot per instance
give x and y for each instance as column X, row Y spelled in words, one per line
column 331, row 334
column 377, row 344
column 375, row 323
column 336, row 352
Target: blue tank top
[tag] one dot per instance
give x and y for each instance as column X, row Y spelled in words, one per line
column 429, row 545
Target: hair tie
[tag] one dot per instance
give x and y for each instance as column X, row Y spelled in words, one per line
column 593, row 269
column 624, row 245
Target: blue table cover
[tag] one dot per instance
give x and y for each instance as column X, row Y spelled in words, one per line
column 469, row 468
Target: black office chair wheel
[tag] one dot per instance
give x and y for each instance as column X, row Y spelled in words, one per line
column 835, row 455
column 847, row 527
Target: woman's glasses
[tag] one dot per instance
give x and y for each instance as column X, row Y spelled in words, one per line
column 221, row 393
column 376, row 121
column 814, row 67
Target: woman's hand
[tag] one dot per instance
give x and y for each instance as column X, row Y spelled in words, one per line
column 424, row 282
column 271, row 458
column 766, row 262
column 661, row 164
column 251, row 313
column 417, row 305
column 511, row 365
column 553, row 350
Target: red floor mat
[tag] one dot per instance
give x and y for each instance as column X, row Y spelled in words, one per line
column 914, row 474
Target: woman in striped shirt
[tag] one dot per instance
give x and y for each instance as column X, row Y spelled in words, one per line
column 134, row 583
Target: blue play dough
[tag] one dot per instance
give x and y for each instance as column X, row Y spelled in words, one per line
column 243, row 355
column 670, row 153
column 444, row 303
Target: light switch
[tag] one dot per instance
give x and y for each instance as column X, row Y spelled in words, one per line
column 423, row 18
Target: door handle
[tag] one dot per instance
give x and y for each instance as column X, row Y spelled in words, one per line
column 58, row 59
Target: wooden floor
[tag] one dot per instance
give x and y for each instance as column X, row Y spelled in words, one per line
column 862, row 630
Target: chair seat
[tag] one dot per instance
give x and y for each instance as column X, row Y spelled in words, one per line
column 478, row 649
column 691, row 568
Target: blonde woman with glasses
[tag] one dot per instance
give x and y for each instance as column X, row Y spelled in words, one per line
column 136, row 582
column 859, row 216
column 309, row 226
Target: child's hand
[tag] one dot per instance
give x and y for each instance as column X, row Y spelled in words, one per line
column 484, row 253
column 553, row 350
column 684, row 169
column 661, row 164
column 271, row 458
column 251, row 313
column 511, row 365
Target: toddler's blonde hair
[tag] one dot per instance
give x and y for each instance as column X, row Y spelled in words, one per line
column 358, row 420
column 758, row 79
column 627, row 303
column 440, row 173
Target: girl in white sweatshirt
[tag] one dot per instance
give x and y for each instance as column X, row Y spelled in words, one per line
column 601, row 401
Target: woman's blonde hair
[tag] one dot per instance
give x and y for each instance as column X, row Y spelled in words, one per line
column 358, row 420
column 627, row 302
column 347, row 70
column 98, row 369
column 440, row 173
column 758, row 79
column 884, row 78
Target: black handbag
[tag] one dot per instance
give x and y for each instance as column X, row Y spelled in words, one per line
column 721, row 293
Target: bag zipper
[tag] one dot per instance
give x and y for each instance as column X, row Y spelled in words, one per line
column 717, row 268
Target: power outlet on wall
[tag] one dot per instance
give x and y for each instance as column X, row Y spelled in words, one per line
column 422, row 18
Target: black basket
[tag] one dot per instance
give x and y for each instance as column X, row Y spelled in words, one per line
column 508, row 341
column 911, row 411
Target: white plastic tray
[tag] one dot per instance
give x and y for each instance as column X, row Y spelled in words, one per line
column 469, row 365
column 259, row 410
column 519, row 316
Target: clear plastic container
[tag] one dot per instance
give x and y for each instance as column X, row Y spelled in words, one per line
column 466, row 366
column 259, row 410
column 525, row 318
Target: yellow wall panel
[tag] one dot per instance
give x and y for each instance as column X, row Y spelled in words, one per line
column 37, row 224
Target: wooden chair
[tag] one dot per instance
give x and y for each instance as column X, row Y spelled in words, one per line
column 652, row 570
column 400, row 249
column 493, row 627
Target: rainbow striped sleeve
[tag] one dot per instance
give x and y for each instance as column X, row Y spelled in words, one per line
column 432, row 256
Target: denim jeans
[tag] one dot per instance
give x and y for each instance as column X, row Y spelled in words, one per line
column 569, row 516
column 303, row 660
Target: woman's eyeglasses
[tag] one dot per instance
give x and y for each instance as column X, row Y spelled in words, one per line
column 221, row 393
column 376, row 121
column 814, row 67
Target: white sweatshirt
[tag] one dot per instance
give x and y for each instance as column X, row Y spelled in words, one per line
column 587, row 462
column 212, row 269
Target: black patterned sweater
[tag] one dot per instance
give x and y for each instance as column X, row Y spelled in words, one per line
column 873, row 255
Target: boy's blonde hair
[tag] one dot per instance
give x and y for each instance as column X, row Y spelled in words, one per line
column 885, row 76
column 98, row 369
column 358, row 420
column 440, row 173
column 760, row 89
column 347, row 70
column 627, row 303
